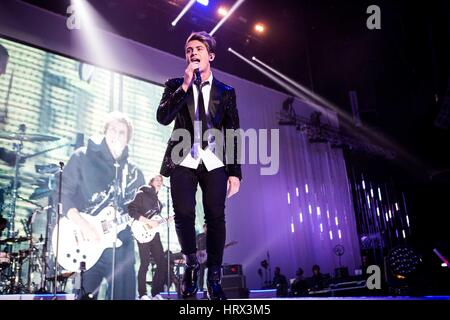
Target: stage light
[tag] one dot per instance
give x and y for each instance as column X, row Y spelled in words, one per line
column 225, row 18
column 203, row 2
column 403, row 261
column 259, row 28
column 222, row 11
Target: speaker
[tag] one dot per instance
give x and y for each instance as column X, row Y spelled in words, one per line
column 341, row 272
column 232, row 269
column 233, row 281
column 236, row 293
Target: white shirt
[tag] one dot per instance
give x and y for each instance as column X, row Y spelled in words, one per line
column 207, row 155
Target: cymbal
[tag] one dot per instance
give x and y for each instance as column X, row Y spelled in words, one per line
column 32, row 137
column 13, row 240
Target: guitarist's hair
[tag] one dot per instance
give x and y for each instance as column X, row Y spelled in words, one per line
column 153, row 179
column 121, row 117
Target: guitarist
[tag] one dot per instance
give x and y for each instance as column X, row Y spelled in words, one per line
column 88, row 182
column 145, row 206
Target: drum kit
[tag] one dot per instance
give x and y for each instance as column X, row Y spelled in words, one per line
column 21, row 257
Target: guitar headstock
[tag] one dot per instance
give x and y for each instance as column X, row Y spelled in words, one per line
column 232, row 243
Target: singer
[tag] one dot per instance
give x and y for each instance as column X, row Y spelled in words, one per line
column 200, row 100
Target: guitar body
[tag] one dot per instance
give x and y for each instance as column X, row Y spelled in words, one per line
column 142, row 232
column 73, row 248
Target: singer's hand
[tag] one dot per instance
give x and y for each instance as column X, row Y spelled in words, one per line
column 233, row 185
column 188, row 77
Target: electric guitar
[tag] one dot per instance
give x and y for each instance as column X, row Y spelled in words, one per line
column 202, row 256
column 73, row 248
column 143, row 232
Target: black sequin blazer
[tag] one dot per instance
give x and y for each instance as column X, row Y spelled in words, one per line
column 178, row 105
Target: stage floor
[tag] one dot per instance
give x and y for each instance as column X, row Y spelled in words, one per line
column 253, row 295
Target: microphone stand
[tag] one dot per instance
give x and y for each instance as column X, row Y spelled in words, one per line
column 45, row 253
column 31, row 249
column 58, row 214
column 168, row 244
column 116, row 208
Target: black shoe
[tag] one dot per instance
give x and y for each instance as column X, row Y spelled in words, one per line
column 215, row 291
column 189, row 285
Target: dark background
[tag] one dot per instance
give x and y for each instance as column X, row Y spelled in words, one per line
column 400, row 74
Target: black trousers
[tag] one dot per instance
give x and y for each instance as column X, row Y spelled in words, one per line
column 213, row 184
column 148, row 250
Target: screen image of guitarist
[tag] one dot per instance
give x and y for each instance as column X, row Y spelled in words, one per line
column 98, row 179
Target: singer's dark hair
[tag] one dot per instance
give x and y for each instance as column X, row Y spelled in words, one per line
column 205, row 38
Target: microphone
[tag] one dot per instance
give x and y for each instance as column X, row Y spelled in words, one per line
column 197, row 77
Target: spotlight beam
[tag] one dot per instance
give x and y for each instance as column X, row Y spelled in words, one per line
column 183, row 12
column 283, row 84
column 376, row 136
column 89, row 37
column 319, row 99
column 225, row 18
